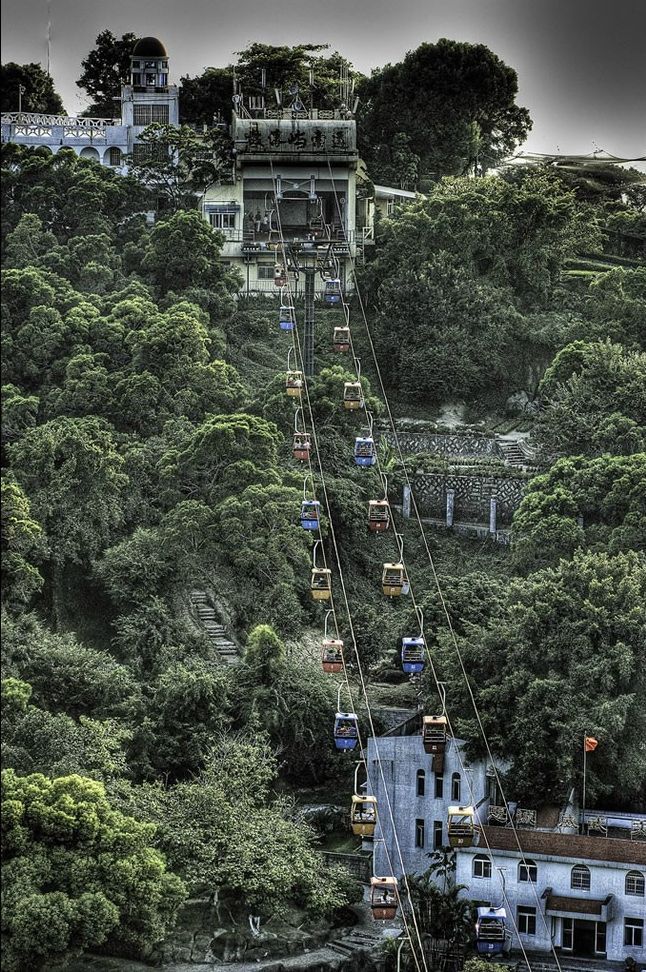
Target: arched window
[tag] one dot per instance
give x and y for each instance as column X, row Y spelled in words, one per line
column 481, row 866
column 580, row 877
column 421, row 782
column 527, row 871
column 635, row 883
column 114, row 156
column 456, row 787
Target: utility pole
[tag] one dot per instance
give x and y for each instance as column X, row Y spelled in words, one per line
column 308, row 330
column 21, row 91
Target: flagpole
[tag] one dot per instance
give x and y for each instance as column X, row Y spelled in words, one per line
column 585, row 761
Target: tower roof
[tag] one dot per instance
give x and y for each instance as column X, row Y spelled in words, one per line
column 149, row 47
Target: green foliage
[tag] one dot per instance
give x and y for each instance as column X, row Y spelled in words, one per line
column 105, row 69
column 595, row 503
column 185, row 252
column 77, row 874
column 455, row 104
column 594, row 401
column 21, row 538
column 39, row 94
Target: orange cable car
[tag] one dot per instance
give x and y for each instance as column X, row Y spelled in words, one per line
column 384, row 898
column 341, row 339
column 301, row 446
column 378, row 515
column 332, row 656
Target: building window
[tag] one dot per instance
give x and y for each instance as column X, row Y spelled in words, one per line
column 527, row 871
column 526, row 920
column 115, row 156
column 635, row 883
column 580, row 878
column 419, row 833
column 439, row 786
column 567, row 938
column 634, row 932
column 265, row 271
column 136, row 79
column 600, row 937
column 147, row 114
column 481, row 866
column 223, row 221
column 456, row 787
column 421, row 782
column 438, row 834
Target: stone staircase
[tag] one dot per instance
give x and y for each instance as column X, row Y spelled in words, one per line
column 358, row 940
column 208, row 618
column 513, row 453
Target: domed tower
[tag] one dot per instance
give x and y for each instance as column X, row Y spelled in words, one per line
column 148, row 97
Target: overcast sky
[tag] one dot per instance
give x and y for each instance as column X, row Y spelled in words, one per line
column 581, row 63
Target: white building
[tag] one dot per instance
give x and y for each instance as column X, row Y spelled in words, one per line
column 583, row 895
column 147, row 98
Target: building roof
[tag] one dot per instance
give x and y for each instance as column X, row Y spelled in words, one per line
column 578, row 906
column 389, row 192
column 149, row 47
column 574, row 847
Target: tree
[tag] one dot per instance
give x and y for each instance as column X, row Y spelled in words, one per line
column 571, row 638
column 77, row 874
column 454, row 101
column 594, row 401
column 595, row 503
column 105, row 69
column 206, row 98
column 316, row 76
column 21, row 538
column 39, row 94
column 185, row 252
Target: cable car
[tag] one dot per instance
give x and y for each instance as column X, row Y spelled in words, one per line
column 383, row 898
column 378, row 515
column 301, row 446
column 332, row 656
column 294, row 383
column 393, row 579
column 363, row 816
column 341, row 339
column 461, row 826
column 286, row 318
column 434, row 734
column 364, row 451
column 413, row 651
column 280, row 275
column 346, row 730
column 492, row 937
column 332, row 292
column 310, row 512
column 352, row 395
column 321, row 584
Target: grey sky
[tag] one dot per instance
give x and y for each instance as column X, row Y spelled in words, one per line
column 581, row 63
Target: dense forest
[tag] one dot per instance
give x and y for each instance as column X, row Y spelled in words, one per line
column 146, row 446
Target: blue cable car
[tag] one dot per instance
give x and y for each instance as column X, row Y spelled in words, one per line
column 346, row 730
column 286, row 318
column 332, row 292
column 413, row 651
column 364, row 451
column 310, row 514
column 492, row 936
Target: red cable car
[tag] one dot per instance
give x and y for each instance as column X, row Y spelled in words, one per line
column 378, row 515
column 384, row 898
column 341, row 339
column 332, row 656
column 302, row 446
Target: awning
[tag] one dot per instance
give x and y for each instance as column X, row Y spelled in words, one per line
column 566, row 907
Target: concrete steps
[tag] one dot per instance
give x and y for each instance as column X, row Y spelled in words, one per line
column 206, row 614
column 512, row 453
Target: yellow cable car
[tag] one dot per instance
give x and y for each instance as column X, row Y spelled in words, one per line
column 434, row 734
column 352, row 395
column 393, row 579
column 363, row 816
column 384, row 898
column 294, row 383
column 461, row 826
column 321, row 584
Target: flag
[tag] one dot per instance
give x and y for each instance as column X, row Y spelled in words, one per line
column 590, row 743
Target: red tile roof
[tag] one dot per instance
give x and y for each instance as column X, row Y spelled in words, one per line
column 572, row 846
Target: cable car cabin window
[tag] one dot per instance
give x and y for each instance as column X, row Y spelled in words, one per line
column 635, row 883
column 438, row 832
column 526, row 920
column 265, row 271
column 439, row 786
column 634, row 932
column 419, row 833
column 580, row 878
column 481, row 866
column 456, row 786
column 527, row 871
column 421, row 782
